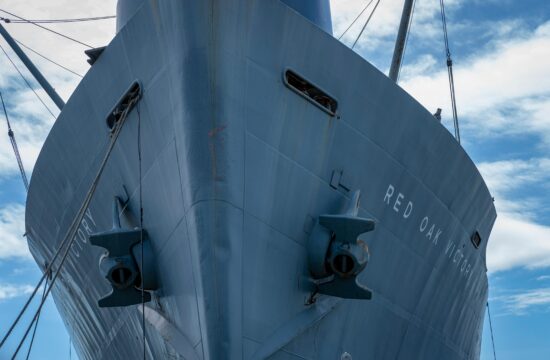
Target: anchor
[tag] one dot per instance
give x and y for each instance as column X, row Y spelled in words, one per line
column 336, row 255
column 122, row 265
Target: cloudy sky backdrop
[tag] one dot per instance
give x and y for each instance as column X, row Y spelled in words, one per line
column 501, row 53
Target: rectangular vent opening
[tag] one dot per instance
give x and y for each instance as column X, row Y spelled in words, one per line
column 311, row 92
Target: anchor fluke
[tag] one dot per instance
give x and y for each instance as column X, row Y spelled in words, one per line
column 122, row 265
column 337, row 256
column 348, row 287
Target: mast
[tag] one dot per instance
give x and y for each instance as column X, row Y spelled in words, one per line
column 400, row 41
column 34, row 71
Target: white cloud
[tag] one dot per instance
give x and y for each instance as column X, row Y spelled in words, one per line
column 10, row 291
column 378, row 40
column 499, row 85
column 30, row 121
column 521, row 303
column 505, row 178
column 500, row 90
column 517, row 239
column 507, row 76
column 30, row 125
column 518, row 242
column 508, row 175
column 12, row 228
column 70, row 54
column 385, row 22
column 424, row 64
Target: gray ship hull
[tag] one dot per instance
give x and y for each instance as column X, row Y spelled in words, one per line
column 236, row 168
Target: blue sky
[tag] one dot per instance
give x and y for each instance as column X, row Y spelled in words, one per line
column 501, row 53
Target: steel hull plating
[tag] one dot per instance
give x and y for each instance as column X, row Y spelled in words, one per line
column 236, row 168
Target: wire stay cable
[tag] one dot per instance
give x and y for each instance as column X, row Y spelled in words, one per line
column 48, row 29
column 66, row 238
column 141, row 228
column 15, row 147
column 57, row 21
column 366, row 23
column 70, row 236
column 35, row 325
column 491, row 328
column 26, row 82
column 450, row 70
column 355, row 20
column 48, row 59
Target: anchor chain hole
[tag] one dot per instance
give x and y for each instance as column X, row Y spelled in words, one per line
column 343, row 264
column 121, row 276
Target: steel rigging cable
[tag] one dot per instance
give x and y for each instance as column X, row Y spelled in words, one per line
column 357, row 18
column 366, row 23
column 491, row 327
column 15, row 147
column 36, row 323
column 48, row 59
column 48, row 29
column 26, row 183
column 450, row 71
column 70, row 235
column 141, row 228
column 26, row 82
column 57, row 21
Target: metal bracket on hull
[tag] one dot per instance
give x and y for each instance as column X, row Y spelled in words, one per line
column 94, row 54
column 337, row 256
column 122, row 266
